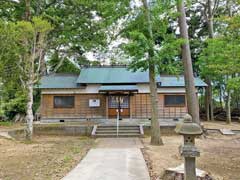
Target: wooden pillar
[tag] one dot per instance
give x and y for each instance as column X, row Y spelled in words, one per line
column 130, row 106
column 107, row 107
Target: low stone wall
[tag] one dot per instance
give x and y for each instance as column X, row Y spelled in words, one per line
column 56, row 129
column 73, row 120
column 74, row 130
column 18, row 134
column 53, row 129
column 165, row 130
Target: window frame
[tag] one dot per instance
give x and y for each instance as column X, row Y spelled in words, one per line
column 60, row 107
column 174, row 105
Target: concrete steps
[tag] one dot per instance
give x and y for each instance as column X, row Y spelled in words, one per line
column 123, row 131
column 120, row 132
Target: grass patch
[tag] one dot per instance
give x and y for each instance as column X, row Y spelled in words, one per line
column 76, row 150
column 6, row 123
column 28, row 142
column 67, row 158
column 83, row 138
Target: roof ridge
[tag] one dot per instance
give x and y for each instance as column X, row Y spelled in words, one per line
column 171, row 75
column 62, row 74
column 106, row 66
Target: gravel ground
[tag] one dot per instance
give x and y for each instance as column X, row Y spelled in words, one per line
column 47, row 157
column 219, row 156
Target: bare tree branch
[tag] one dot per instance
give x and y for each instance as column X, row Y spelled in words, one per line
column 215, row 6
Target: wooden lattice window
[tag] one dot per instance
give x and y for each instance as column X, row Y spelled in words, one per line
column 113, row 101
column 174, row 100
column 64, row 101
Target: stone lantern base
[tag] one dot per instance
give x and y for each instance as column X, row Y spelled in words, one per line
column 177, row 173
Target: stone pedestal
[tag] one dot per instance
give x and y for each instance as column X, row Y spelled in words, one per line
column 189, row 130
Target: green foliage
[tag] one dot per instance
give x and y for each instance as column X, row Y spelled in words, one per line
column 11, row 10
column 166, row 44
column 87, row 25
column 79, row 25
column 13, row 95
column 36, row 100
column 1, row 104
column 41, row 26
column 67, row 65
column 14, row 103
column 6, row 123
column 234, row 84
column 220, row 59
column 19, row 43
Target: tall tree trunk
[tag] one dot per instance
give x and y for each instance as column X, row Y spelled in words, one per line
column 27, row 10
column 210, row 19
column 228, row 104
column 229, row 8
column 228, row 98
column 192, row 100
column 155, row 126
column 209, row 101
column 29, row 84
column 237, row 103
column 29, row 117
column 211, row 35
column 228, row 107
column 207, row 104
column 211, row 104
column 208, row 95
column 220, row 97
column 43, row 66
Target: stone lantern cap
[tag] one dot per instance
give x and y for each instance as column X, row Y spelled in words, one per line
column 188, row 127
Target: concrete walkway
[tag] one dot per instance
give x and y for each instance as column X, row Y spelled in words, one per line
column 120, row 143
column 112, row 159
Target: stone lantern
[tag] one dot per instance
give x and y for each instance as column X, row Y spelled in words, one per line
column 188, row 150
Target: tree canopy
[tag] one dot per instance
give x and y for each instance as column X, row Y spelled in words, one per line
column 116, row 32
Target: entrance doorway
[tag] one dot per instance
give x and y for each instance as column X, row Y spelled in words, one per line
column 118, row 103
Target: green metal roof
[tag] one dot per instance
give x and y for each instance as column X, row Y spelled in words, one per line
column 59, row 81
column 111, row 75
column 178, row 81
column 119, row 88
column 121, row 75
